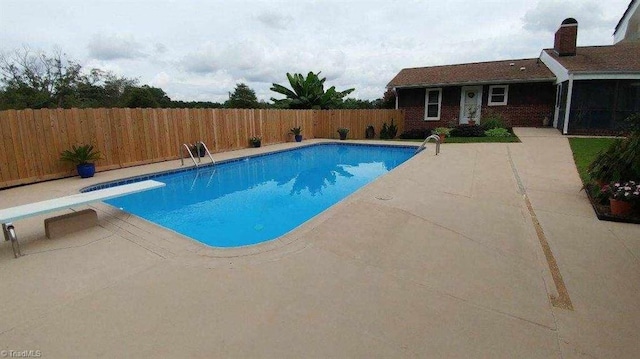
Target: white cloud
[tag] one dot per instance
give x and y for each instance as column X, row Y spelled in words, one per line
column 549, row 14
column 115, row 46
column 199, row 49
column 274, row 20
column 161, row 80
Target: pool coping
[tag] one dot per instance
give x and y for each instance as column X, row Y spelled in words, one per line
column 271, row 247
column 138, row 178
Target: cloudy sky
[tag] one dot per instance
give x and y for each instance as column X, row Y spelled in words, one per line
column 199, row 50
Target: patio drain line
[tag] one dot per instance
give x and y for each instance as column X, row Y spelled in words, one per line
column 563, row 300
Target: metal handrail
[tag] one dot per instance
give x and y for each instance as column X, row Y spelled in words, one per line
column 182, row 155
column 206, row 149
column 424, row 144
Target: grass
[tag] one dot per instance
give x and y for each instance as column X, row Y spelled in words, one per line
column 585, row 151
column 481, row 139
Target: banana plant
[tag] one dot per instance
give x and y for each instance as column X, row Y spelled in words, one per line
column 308, row 93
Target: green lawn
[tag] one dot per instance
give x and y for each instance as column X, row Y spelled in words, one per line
column 481, row 139
column 585, row 151
column 474, row 139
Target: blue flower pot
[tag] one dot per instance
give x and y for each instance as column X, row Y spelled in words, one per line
column 86, row 170
column 298, row 138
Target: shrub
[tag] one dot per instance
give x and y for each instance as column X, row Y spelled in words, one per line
column 467, row 131
column 415, row 134
column 620, row 161
column 442, row 131
column 79, row 155
column 497, row 132
column 494, row 121
column 388, row 132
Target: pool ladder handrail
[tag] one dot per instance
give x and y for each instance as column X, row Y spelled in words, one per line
column 424, row 144
column 188, row 147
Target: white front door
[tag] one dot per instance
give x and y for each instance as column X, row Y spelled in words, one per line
column 470, row 104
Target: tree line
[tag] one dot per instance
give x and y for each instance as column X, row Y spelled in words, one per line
column 39, row 80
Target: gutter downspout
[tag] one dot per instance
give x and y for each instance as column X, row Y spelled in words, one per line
column 567, row 111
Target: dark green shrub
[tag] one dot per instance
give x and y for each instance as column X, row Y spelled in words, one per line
column 388, row 132
column 467, row 131
column 416, row 134
column 620, row 161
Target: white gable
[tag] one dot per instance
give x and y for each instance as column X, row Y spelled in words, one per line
column 628, row 28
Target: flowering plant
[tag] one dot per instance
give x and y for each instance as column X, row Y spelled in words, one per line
column 624, row 191
column 255, row 139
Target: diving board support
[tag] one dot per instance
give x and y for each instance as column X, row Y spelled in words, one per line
column 8, row 215
column 436, row 138
column 10, row 235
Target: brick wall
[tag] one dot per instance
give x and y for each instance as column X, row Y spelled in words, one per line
column 528, row 106
column 523, row 115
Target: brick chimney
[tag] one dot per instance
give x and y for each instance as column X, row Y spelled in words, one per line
column 566, row 37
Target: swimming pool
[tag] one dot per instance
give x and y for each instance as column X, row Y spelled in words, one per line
column 256, row 199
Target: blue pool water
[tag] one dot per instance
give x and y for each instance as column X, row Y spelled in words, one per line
column 260, row 198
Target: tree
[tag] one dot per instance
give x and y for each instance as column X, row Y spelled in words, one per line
column 308, row 93
column 145, row 96
column 35, row 80
column 352, row 103
column 242, row 97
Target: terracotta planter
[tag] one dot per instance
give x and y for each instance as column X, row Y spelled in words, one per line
column 619, row 208
column 442, row 137
column 472, row 122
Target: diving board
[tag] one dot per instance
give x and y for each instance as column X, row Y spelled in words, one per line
column 8, row 215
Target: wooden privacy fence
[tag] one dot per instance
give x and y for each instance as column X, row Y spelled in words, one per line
column 31, row 140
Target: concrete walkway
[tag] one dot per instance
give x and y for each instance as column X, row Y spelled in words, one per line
column 438, row 259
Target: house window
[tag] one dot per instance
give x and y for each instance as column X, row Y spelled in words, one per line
column 498, row 95
column 433, row 102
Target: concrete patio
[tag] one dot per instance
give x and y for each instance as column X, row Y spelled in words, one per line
column 444, row 261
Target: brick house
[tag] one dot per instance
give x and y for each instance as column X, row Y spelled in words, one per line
column 576, row 89
column 521, row 90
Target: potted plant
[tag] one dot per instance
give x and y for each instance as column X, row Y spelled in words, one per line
column 343, row 133
column 370, row 132
column 197, row 150
column 472, row 115
column 297, row 132
column 256, row 141
column 83, row 157
column 623, row 196
column 442, row 132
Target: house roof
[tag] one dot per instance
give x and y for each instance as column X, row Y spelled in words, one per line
column 474, row 73
column 623, row 57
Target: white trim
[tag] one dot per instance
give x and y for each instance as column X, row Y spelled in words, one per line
column 473, row 83
column 556, row 110
column 604, row 76
column 506, row 95
column 568, row 107
column 561, row 73
column 426, row 104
